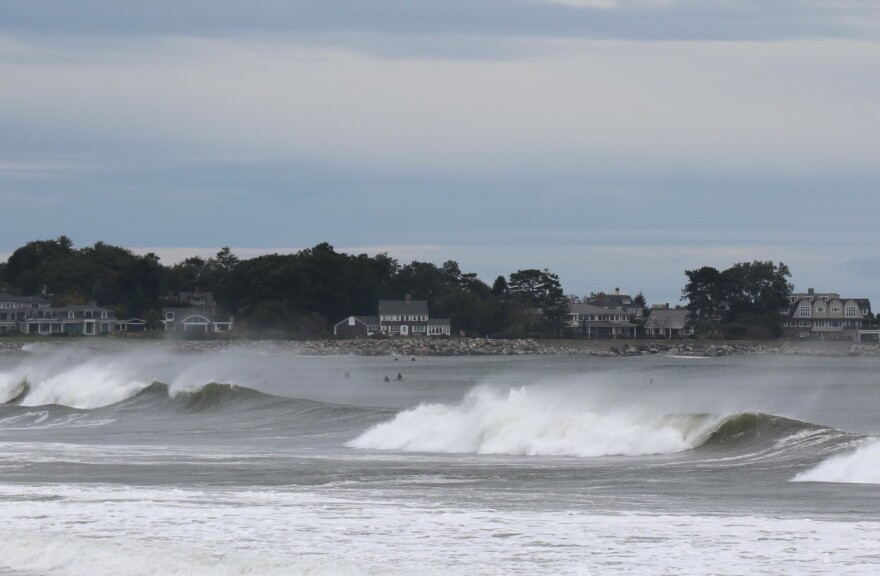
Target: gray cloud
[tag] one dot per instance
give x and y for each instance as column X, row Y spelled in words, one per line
column 628, row 19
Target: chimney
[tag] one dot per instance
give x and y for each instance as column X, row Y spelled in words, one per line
column 617, row 291
column 811, row 291
column 407, row 298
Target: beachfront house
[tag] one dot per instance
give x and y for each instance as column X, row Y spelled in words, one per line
column 666, row 322
column 596, row 322
column 80, row 319
column 13, row 310
column 825, row 316
column 199, row 316
column 405, row 317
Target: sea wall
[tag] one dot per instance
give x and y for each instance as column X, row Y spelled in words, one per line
column 472, row 347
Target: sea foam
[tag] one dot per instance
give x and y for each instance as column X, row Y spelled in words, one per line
column 534, row 422
column 859, row 467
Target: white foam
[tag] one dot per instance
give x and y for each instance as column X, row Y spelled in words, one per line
column 859, row 467
column 526, row 421
column 96, row 530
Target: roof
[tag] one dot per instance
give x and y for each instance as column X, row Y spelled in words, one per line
column 368, row 320
column 183, row 313
column 581, row 308
column 403, row 307
column 6, row 297
column 614, row 301
column 439, row 322
column 668, row 318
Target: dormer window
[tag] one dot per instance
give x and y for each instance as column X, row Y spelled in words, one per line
column 169, row 315
column 71, row 315
column 103, row 314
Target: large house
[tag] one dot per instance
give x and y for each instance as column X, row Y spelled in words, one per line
column 405, row 317
column 618, row 301
column 85, row 319
column 825, row 316
column 199, row 316
column 14, row 309
column 601, row 323
column 666, row 322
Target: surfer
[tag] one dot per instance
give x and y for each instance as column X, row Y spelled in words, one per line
column 399, row 376
column 387, row 379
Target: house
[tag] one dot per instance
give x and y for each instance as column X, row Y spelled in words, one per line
column 405, row 317
column 357, row 326
column 618, row 301
column 666, row 322
column 84, row 319
column 200, row 316
column 601, row 323
column 14, row 308
column 825, row 316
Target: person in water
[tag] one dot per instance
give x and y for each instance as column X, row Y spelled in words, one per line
column 399, row 376
column 387, row 379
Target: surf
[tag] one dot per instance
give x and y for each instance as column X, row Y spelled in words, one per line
column 528, row 421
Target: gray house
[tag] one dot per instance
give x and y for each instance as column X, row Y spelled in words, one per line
column 666, row 322
column 600, row 323
column 199, row 317
column 13, row 310
column 405, row 317
column 84, row 319
column 825, row 316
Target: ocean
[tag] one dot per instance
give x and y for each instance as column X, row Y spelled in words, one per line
column 262, row 461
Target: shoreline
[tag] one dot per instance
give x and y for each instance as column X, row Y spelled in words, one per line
column 475, row 347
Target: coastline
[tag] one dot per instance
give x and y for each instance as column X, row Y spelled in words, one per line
column 474, row 347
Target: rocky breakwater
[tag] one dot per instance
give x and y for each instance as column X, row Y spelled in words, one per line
column 425, row 347
column 497, row 347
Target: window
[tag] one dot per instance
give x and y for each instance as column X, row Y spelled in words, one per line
column 805, row 323
column 71, row 315
column 835, row 309
column 804, row 311
column 851, row 311
column 819, row 323
column 820, row 309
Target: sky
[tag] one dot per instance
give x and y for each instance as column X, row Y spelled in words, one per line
column 616, row 142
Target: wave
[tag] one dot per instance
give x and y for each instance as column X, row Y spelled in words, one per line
column 861, row 466
column 527, row 422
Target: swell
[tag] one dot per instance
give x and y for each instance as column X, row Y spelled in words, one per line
column 237, row 407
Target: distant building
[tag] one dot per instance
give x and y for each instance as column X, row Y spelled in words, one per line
column 600, row 323
column 618, row 301
column 82, row 319
column 405, row 317
column 13, row 310
column 825, row 316
column 666, row 322
column 200, row 317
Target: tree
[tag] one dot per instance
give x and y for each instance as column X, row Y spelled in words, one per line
column 706, row 293
column 749, row 295
column 757, row 291
column 541, row 289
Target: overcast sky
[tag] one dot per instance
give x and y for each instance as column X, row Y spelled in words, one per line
column 616, row 142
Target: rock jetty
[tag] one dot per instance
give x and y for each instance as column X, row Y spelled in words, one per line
column 413, row 347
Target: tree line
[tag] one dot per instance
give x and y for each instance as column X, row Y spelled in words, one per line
column 297, row 295
column 302, row 295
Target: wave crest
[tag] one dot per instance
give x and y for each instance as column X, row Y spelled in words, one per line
column 859, row 467
column 525, row 422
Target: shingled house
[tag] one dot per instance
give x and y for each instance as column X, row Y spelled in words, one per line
column 666, row 322
column 825, row 316
column 14, row 309
column 405, row 317
column 200, row 316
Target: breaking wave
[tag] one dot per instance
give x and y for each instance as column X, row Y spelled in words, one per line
column 861, row 466
column 528, row 422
